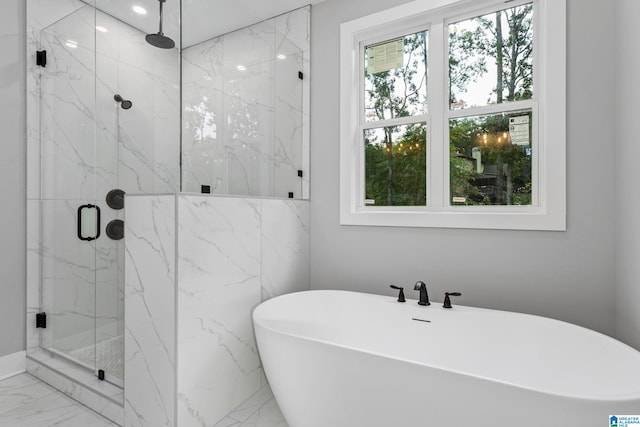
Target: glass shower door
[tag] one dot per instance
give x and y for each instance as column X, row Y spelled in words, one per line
column 109, row 123
column 69, row 212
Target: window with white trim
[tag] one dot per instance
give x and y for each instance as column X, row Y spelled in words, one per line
column 453, row 115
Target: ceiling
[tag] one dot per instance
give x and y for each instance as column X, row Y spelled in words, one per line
column 202, row 19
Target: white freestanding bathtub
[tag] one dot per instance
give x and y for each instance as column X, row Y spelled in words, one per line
column 346, row 359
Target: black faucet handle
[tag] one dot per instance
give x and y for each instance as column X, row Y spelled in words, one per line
column 447, row 300
column 401, row 294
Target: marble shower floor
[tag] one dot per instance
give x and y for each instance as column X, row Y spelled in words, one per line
column 25, row 401
column 106, row 355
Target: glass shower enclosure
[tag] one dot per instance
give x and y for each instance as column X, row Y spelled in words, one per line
column 107, row 105
column 110, row 114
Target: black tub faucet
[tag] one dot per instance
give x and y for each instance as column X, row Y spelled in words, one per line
column 424, row 296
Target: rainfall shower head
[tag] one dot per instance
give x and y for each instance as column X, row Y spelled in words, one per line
column 159, row 39
column 124, row 103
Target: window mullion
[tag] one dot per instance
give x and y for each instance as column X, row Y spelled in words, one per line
column 436, row 89
column 507, row 107
column 397, row 121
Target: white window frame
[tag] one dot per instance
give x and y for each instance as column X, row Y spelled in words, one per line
column 548, row 209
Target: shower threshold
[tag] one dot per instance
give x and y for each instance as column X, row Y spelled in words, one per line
column 77, row 382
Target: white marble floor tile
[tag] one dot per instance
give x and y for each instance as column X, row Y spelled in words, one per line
column 27, row 402
column 268, row 415
column 260, row 410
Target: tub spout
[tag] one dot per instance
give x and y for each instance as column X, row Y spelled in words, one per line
column 424, row 296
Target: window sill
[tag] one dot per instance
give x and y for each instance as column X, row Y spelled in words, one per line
column 475, row 217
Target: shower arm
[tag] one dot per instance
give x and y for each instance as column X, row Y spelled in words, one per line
column 160, row 29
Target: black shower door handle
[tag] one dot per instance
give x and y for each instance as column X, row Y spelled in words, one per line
column 97, row 233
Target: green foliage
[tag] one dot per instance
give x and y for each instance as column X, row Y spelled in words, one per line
column 506, row 38
column 464, row 67
column 397, row 176
column 506, row 178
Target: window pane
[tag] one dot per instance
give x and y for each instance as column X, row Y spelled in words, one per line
column 395, row 83
column 490, row 159
column 491, row 58
column 396, row 165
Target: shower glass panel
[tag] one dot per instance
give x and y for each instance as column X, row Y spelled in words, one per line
column 109, row 107
column 245, row 120
column 69, row 206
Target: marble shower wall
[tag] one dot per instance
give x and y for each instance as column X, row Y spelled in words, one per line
column 196, row 268
column 150, row 315
column 246, row 110
column 80, row 145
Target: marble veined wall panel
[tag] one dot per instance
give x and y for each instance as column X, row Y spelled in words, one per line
column 291, row 152
column 109, row 283
column 67, row 99
column 150, row 318
column 232, row 253
column 106, row 126
column 138, row 148
column 33, row 274
column 33, row 89
column 218, row 286
column 285, row 247
column 203, row 150
column 89, row 144
column 67, row 274
column 289, row 130
column 42, row 13
column 148, row 134
column 248, row 73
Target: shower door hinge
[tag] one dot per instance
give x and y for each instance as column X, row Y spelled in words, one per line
column 101, row 374
column 41, row 58
column 300, row 75
column 41, row 320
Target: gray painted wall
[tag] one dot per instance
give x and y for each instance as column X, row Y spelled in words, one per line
column 628, row 207
column 565, row 275
column 570, row 275
column 12, row 178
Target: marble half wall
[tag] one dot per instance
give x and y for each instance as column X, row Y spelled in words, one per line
column 196, row 267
